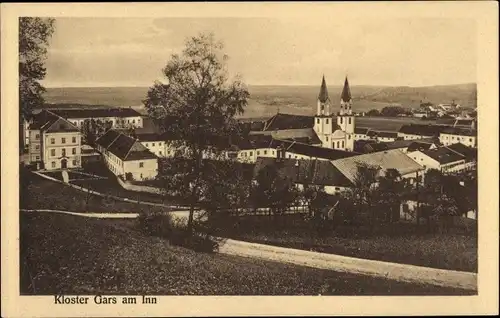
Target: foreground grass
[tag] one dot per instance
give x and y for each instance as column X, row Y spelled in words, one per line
column 41, row 193
column 63, row 254
column 445, row 251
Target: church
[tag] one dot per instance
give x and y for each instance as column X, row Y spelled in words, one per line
column 335, row 133
column 325, row 136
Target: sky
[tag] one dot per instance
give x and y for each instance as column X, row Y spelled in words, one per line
column 268, row 51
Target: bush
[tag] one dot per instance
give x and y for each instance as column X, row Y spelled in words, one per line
column 156, row 224
column 163, row 225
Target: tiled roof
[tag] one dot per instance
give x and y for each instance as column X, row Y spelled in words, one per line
column 387, row 134
column 443, row 155
column 406, row 143
column 420, row 145
column 51, row 123
column 305, row 135
column 390, row 159
column 422, row 130
column 318, row 172
column 374, row 147
column 315, row 151
column 468, row 152
column 124, row 147
column 361, row 131
column 96, row 112
column 287, row 121
column 460, row 131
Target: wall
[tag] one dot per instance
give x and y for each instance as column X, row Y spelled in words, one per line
column 148, row 171
column 449, row 139
column 138, row 188
column 157, row 147
column 35, row 146
column 423, row 160
column 53, row 147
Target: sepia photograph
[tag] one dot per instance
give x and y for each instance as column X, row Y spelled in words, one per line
column 247, row 156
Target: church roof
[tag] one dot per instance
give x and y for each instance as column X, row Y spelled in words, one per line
column 346, row 92
column 323, row 92
column 288, row 121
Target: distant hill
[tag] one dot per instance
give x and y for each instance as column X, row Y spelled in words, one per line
column 267, row 100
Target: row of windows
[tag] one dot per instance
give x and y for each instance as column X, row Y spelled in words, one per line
column 341, row 120
column 250, row 153
column 153, row 144
column 458, row 138
column 63, row 152
column 63, row 140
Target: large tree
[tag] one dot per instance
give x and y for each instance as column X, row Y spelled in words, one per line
column 34, row 36
column 197, row 107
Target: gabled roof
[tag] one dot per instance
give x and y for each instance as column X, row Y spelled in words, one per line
column 287, row 121
column 443, row 155
column 422, row 130
column 468, row 152
column 315, row 151
column 389, row 159
column 305, row 135
column 346, row 91
column 361, row 131
column 317, row 172
column 397, row 144
column 420, row 145
column 323, row 92
column 124, row 147
column 49, row 122
column 374, row 147
column 387, row 134
column 81, row 113
column 460, row 131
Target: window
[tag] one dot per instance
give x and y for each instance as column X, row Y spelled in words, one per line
column 349, row 136
column 63, row 140
column 159, row 144
column 52, row 152
column 326, row 138
column 73, row 140
column 37, row 136
column 251, row 153
column 74, row 162
column 153, row 144
column 342, row 144
column 265, row 152
column 133, row 121
column 317, row 120
column 470, row 139
column 53, row 164
column 349, row 120
column 295, row 157
column 63, row 152
column 52, row 141
column 73, row 151
column 141, row 164
column 37, row 147
column 289, row 156
column 337, row 189
column 327, row 120
column 273, row 152
column 146, row 144
column 258, row 153
column 338, row 144
column 37, row 157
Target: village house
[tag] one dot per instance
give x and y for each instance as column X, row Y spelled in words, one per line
column 384, row 160
column 441, row 158
column 419, row 131
column 54, row 142
column 126, row 157
column 385, row 136
column 455, row 135
column 117, row 117
column 361, row 133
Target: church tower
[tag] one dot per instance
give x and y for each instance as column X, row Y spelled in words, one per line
column 345, row 119
column 323, row 121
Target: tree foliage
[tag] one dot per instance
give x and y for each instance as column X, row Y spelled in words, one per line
column 393, row 111
column 373, row 112
column 34, row 36
column 197, row 108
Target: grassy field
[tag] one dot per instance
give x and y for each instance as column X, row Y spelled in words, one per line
column 399, row 243
column 45, row 194
column 62, row 254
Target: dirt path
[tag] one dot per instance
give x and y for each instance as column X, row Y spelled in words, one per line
column 393, row 271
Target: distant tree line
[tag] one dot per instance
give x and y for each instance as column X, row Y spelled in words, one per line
column 389, row 111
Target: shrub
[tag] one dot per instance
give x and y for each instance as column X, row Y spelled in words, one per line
column 156, row 224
